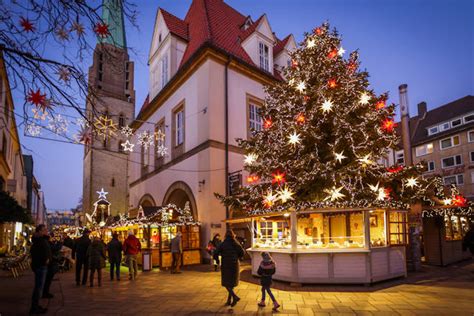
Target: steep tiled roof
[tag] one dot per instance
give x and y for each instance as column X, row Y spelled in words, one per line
column 246, row 33
column 280, row 45
column 439, row 115
column 176, row 26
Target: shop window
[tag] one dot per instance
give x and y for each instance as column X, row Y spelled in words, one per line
column 449, row 142
column 272, row 232
column 377, row 229
column 455, row 227
column 398, row 228
column 266, row 229
column 451, row 161
column 424, row 149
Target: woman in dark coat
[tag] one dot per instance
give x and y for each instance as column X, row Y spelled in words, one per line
column 231, row 252
column 96, row 255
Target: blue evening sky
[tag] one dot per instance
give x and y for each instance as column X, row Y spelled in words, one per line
column 427, row 44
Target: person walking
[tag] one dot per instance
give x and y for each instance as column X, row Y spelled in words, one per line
column 53, row 265
column 176, row 252
column 96, row 256
column 114, row 249
column 216, row 242
column 266, row 270
column 231, row 252
column 79, row 253
column 131, row 248
column 40, row 257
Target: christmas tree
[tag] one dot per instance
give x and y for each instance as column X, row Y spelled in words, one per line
column 324, row 133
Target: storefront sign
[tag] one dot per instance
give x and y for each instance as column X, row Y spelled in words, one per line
column 235, row 181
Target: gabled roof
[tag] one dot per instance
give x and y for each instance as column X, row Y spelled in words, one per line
column 175, row 25
column 246, row 33
column 280, row 45
column 442, row 114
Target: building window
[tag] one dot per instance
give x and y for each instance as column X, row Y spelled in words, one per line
column 121, row 121
column 4, row 146
column 164, row 71
column 451, row 161
column 472, row 156
column 431, row 166
column 179, row 123
column 468, row 118
column 264, row 56
column 112, row 182
column 457, row 179
column 266, row 229
column 433, row 130
column 444, row 126
column 255, row 120
column 424, row 149
column 470, row 136
column 456, row 122
column 159, row 38
column 449, row 142
column 399, row 157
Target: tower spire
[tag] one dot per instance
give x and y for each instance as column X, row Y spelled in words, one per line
column 112, row 15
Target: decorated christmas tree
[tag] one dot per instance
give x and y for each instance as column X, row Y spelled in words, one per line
column 324, row 134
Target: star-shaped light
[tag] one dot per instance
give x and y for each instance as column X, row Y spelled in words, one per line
column 126, row 131
column 340, row 156
column 269, row 199
column 26, row 25
column 278, row 177
column 334, row 194
column 341, row 51
column 62, row 34
column 364, row 98
column 365, row 160
column 383, row 194
column 310, row 43
column 127, row 146
column 38, row 114
column 102, row 194
column 374, row 188
column 105, row 126
column 159, row 135
column 447, row 201
column 250, row 159
column 294, row 139
column 301, row 86
column 291, row 82
column 327, row 106
column 102, row 30
column 78, row 27
column 145, row 139
column 411, row 182
column 285, row 195
column 64, row 74
column 388, row 125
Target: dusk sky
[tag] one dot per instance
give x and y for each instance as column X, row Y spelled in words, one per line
column 427, row 44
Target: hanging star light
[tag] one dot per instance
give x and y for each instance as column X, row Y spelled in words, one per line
column 127, row 146
column 33, row 130
column 365, row 160
column 38, row 100
column 126, row 131
column 64, row 74
column 411, row 182
column 310, row 43
column 102, row 29
column 364, row 98
column 383, row 194
column 294, row 139
column 160, row 136
column 332, row 54
column 84, row 136
column 78, row 28
column 301, row 86
column 388, row 125
column 447, row 201
column 278, row 178
column 340, row 156
column 102, row 194
column 105, row 126
column 250, row 159
column 285, row 194
column 327, row 106
column 267, row 123
column 459, row 200
column 269, row 199
column 301, row 119
column 380, row 104
column 334, row 194
column 58, row 124
column 145, row 139
column 62, row 34
column 374, row 188
column 162, row 151
column 341, row 51
column 26, row 25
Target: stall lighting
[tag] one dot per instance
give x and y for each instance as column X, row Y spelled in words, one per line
column 286, row 214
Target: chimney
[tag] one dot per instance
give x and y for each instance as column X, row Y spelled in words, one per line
column 405, row 120
column 422, row 109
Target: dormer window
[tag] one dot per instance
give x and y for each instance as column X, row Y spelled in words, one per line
column 247, row 23
column 164, row 71
column 264, row 56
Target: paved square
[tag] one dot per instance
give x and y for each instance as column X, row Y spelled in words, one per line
column 197, row 291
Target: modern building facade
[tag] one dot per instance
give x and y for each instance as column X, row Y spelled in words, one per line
column 57, row 218
column 111, row 80
column 207, row 73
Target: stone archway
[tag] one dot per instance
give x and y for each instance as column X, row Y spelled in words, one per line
column 179, row 193
column 147, row 200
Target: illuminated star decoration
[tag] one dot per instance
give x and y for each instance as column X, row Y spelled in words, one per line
column 311, row 43
column 341, row 51
column 300, row 118
column 459, row 200
column 127, row 146
column 340, row 156
column 301, row 86
column 267, row 123
column 84, row 136
column 447, row 201
column 332, row 54
column 411, row 182
column 38, row 114
column 334, row 194
column 250, row 159
column 145, row 139
column 33, row 130
column 26, row 25
column 294, row 139
column 269, row 199
column 380, row 104
column 374, row 188
column 383, row 194
column 78, row 28
column 64, row 74
column 327, row 106
column 126, row 131
column 162, row 151
column 62, row 34
column 388, row 125
column 102, row 194
column 38, row 100
column 58, row 125
column 365, row 160
column 285, row 195
column 160, row 136
column 278, row 178
column 364, row 98
column 102, row 29
column 105, row 126
column 332, row 83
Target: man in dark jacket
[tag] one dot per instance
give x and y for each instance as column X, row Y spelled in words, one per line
column 114, row 249
column 79, row 253
column 231, row 252
column 53, row 265
column 40, row 257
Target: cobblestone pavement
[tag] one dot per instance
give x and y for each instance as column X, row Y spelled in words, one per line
column 197, row 291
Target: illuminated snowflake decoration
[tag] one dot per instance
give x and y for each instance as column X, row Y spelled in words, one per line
column 145, row 139
column 38, row 114
column 127, row 131
column 105, row 127
column 58, row 124
column 33, row 130
column 162, row 151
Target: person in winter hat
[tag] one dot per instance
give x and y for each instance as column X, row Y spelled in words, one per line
column 131, row 249
column 266, row 270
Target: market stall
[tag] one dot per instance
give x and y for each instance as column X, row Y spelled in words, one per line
column 332, row 246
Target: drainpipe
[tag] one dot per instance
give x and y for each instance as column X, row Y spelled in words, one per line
column 226, row 120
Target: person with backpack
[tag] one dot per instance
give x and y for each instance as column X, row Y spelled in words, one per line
column 131, row 249
column 266, row 270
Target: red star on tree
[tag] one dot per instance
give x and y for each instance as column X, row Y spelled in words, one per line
column 332, row 54
column 37, row 99
column 101, row 29
column 380, row 104
column 388, row 125
column 332, row 83
column 26, row 25
column 267, row 123
column 459, row 200
column 395, row 169
column 278, row 178
column 301, row 119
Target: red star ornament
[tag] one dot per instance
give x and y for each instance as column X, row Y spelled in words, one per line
column 102, row 29
column 38, row 100
column 278, row 178
column 26, row 25
column 388, row 125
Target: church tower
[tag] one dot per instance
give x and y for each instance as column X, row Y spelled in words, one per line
column 111, row 82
